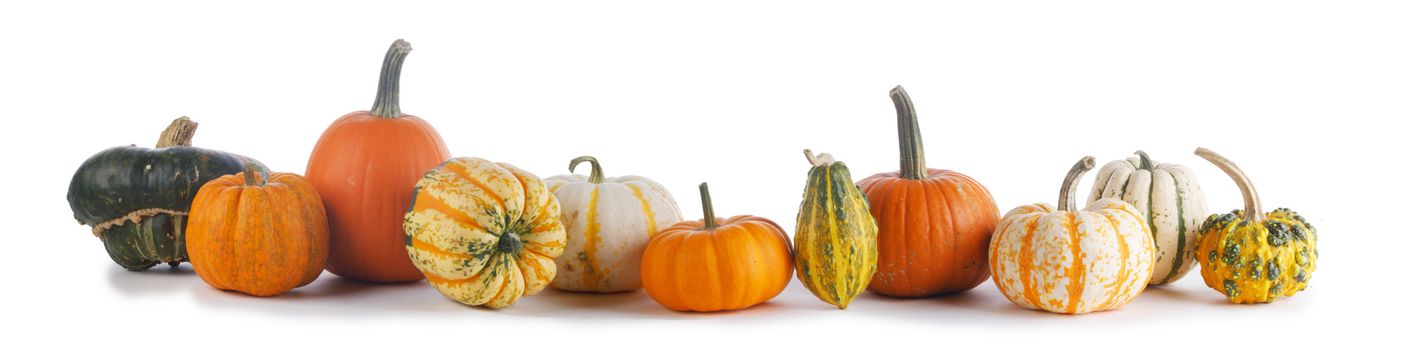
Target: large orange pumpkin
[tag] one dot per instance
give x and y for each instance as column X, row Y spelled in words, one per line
column 257, row 233
column 934, row 224
column 365, row 167
column 717, row 264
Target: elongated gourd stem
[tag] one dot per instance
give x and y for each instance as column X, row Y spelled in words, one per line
column 822, row 159
column 1072, row 179
column 596, row 174
column 910, row 140
column 385, row 104
column 255, row 175
column 1144, row 161
column 709, row 220
column 179, row 133
column 1251, row 204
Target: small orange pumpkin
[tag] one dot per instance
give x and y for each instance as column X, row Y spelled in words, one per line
column 258, row 233
column 717, row 264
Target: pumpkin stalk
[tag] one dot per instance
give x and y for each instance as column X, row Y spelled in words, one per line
column 1072, row 178
column 709, row 220
column 910, row 140
column 596, row 174
column 179, row 133
column 1251, row 204
column 385, row 104
column 255, row 175
column 822, row 159
column 1144, row 161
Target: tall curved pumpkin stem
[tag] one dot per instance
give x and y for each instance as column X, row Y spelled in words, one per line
column 709, row 219
column 596, row 174
column 1251, row 204
column 179, row 133
column 910, row 140
column 1072, row 179
column 385, row 104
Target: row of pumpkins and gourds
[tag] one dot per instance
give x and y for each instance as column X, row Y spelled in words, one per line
column 487, row 233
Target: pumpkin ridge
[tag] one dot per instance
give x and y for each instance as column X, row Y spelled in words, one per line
column 1178, row 261
column 438, row 205
column 428, row 247
column 1077, row 271
column 1025, row 263
column 649, row 218
column 461, row 171
column 592, row 273
column 1119, row 286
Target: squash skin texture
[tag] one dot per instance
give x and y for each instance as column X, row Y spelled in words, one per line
column 933, row 232
column 484, row 233
column 262, row 240
column 1257, row 262
column 741, row 263
column 1171, row 202
column 608, row 225
column 137, row 198
column 1096, row 259
column 836, row 239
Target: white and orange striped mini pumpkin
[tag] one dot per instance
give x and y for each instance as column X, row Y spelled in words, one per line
column 1072, row 261
column 484, row 233
column 608, row 222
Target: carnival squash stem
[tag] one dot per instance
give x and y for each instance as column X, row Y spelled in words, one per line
column 596, row 174
column 1072, row 178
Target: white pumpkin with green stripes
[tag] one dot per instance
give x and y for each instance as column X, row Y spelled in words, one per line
column 608, row 222
column 1169, row 198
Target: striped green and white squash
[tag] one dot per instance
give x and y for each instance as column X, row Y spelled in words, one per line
column 836, row 239
column 608, row 222
column 1168, row 197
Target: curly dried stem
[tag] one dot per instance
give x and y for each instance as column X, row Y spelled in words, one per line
column 1144, row 161
column 818, row 160
column 596, row 174
column 1251, row 203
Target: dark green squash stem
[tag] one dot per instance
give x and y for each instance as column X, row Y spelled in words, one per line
column 596, row 174
column 1144, row 161
column 1072, row 179
column 910, row 140
column 709, row 220
column 1251, row 203
column 179, row 133
column 385, row 104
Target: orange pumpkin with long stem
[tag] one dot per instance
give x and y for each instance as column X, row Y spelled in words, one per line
column 934, row 224
column 717, row 264
column 257, row 233
column 365, row 166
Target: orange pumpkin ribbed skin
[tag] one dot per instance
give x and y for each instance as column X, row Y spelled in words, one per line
column 933, row 232
column 258, row 239
column 744, row 261
column 365, row 167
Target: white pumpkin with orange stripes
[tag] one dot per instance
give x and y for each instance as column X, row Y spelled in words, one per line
column 1072, row 261
column 608, row 222
column 484, row 233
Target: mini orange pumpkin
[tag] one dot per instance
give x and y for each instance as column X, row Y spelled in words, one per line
column 258, row 233
column 715, row 264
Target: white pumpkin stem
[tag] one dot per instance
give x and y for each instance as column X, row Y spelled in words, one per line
column 821, row 159
column 1072, row 179
column 910, row 140
column 179, row 133
column 1251, row 203
column 385, row 104
column 596, row 174
column 1144, row 161
column 709, row 219
column 255, row 175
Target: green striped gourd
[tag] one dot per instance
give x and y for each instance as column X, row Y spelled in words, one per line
column 835, row 237
column 1168, row 197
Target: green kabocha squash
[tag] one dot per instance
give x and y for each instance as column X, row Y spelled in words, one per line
column 836, row 239
column 137, row 198
column 1252, row 257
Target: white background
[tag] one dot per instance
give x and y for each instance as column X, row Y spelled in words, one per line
column 1310, row 98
